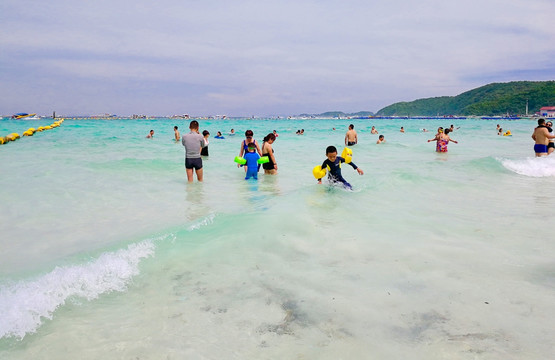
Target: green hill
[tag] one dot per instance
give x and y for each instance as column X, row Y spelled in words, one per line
column 492, row 99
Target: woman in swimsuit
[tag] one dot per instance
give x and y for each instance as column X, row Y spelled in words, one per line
column 442, row 139
column 271, row 166
column 249, row 138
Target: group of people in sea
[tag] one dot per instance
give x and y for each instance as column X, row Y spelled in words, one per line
column 196, row 145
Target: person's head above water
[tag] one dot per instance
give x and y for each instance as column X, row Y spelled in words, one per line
column 331, row 153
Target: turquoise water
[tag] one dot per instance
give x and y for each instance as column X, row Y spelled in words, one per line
column 107, row 252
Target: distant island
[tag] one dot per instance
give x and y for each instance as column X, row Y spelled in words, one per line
column 497, row 99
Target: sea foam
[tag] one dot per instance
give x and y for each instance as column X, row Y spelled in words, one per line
column 24, row 305
column 534, row 167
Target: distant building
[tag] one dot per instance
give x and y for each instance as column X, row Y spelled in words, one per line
column 547, row 111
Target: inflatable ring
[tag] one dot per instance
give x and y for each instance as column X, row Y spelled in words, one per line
column 240, row 160
column 347, row 154
column 263, row 160
column 3, row 140
column 318, row 172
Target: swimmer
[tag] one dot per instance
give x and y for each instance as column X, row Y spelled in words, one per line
column 204, row 149
column 232, row 132
column 150, row 134
column 541, row 136
column 176, row 133
column 373, row 131
column 351, row 136
column 381, row 139
column 249, row 139
column 442, row 139
column 252, row 162
column 402, row 129
column 333, row 163
column 193, row 142
column 271, row 166
column 551, row 145
column 219, row 135
column 275, row 133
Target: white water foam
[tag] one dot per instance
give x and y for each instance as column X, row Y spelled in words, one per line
column 204, row 222
column 534, row 167
column 23, row 305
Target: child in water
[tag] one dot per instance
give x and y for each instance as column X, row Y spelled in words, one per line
column 333, row 164
column 252, row 162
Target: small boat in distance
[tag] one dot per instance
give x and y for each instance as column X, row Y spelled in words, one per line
column 25, row 116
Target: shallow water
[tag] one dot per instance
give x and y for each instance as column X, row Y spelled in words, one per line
column 106, row 251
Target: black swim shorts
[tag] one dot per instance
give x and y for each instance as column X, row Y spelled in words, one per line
column 551, row 145
column 193, row 163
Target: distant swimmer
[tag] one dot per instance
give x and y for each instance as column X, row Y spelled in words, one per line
column 373, row 131
column 177, row 135
column 333, row 164
column 424, row 130
column 150, row 134
column 351, row 136
column 219, row 135
column 232, row 132
column 381, row 139
column 275, row 133
column 541, row 136
column 402, row 129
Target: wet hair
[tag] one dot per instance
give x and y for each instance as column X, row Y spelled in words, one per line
column 249, row 133
column 193, row 124
column 331, row 149
column 205, row 132
column 270, row 136
column 380, row 137
column 446, row 131
column 351, row 126
column 175, row 127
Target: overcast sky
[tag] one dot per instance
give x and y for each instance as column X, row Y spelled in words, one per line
column 242, row 58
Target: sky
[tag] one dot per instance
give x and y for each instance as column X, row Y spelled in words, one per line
column 261, row 57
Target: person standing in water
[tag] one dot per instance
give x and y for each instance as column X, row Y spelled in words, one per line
column 541, row 136
column 176, row 133
column 204, row 150
column 150, row 134
column 333, row 164
column 351, row 136
column 249, row 139
column 193, row 142
column 271, row 166
column 442, row 139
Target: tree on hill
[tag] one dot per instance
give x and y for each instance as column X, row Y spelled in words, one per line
column 492, row 99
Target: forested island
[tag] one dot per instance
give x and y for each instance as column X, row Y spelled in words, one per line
column 494, row 99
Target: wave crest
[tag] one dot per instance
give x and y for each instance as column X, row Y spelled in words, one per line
column 24, row 304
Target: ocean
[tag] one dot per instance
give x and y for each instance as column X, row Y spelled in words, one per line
column 107, row 252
